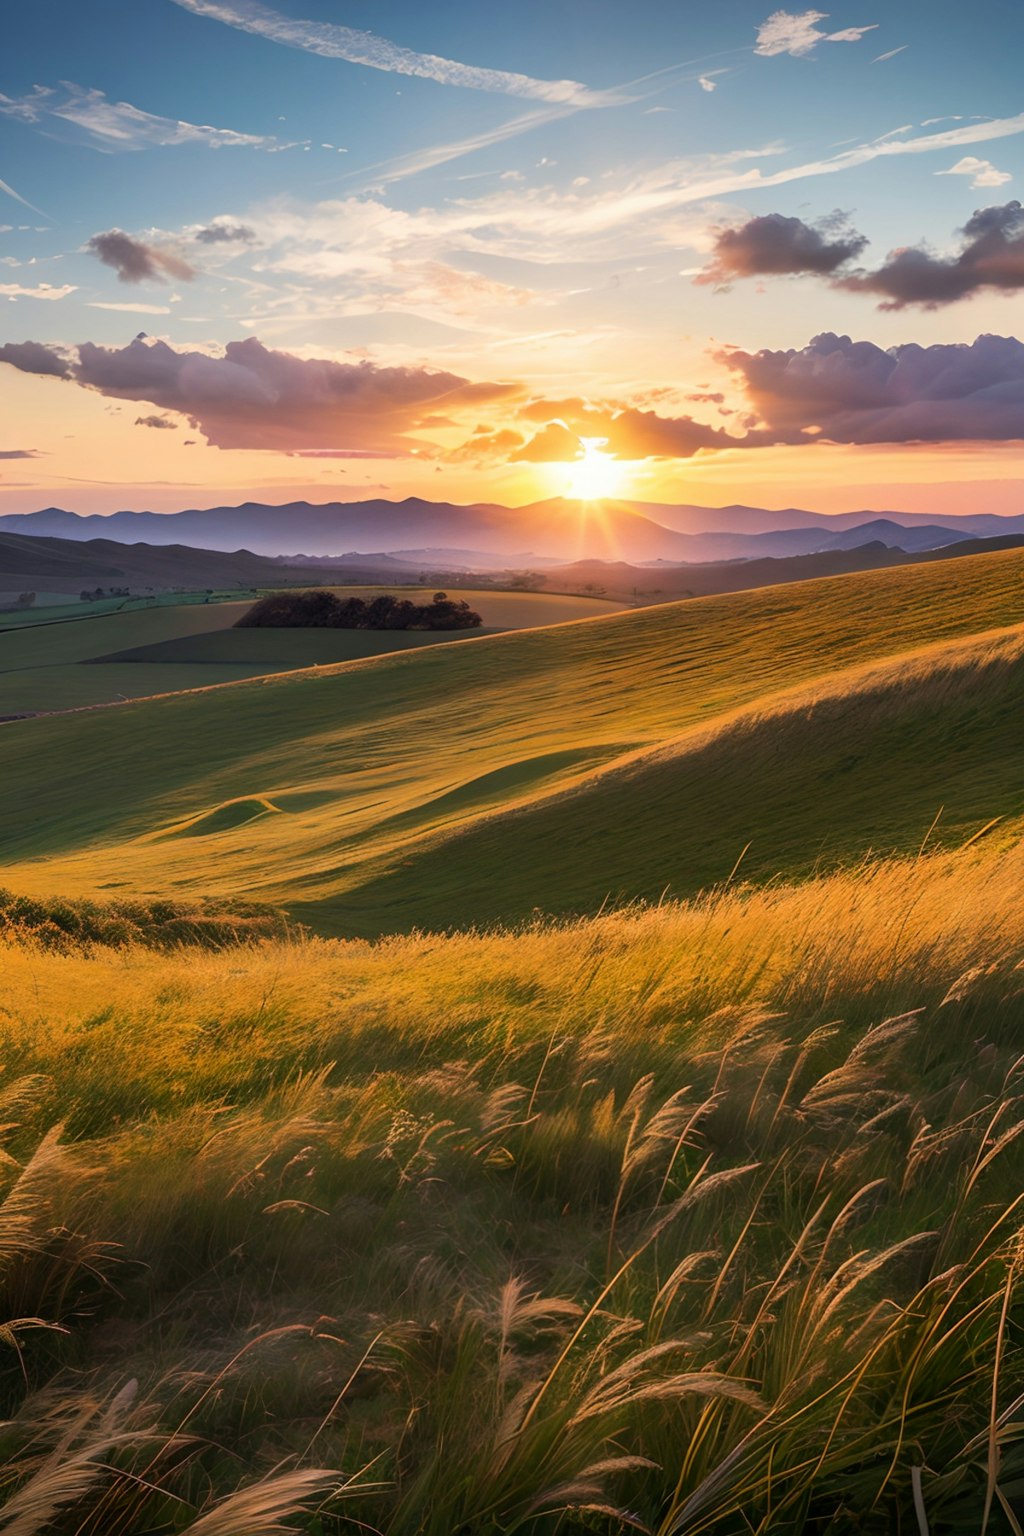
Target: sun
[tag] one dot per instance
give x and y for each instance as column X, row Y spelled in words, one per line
column 595, row 475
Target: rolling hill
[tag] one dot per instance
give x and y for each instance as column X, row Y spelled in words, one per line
column 346, row 792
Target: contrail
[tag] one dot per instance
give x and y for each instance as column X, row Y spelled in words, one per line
column 334, row 42
column 22, row 200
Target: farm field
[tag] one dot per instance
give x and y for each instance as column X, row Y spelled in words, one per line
column 137, row 649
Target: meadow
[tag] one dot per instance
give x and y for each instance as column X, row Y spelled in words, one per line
column 695, row 1218
column 398, row 790
column 567, row 1081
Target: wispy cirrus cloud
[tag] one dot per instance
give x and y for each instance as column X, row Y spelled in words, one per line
column 117, row 125
column 331, row 41
column 798, row 33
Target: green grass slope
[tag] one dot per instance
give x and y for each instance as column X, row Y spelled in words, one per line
column 373, row 762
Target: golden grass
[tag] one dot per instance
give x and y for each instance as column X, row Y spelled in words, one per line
column 704, row 1217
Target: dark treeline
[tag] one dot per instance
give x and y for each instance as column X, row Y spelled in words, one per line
column 320, row 609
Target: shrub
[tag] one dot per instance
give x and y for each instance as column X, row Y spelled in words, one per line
column 321, row 609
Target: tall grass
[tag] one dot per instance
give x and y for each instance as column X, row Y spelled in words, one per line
column 699, row 1218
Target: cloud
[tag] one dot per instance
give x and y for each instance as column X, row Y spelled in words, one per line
column 773, row 244
column 982, row 172
column 485, row 447
column 221, row 232
column 844, row 391
column 253, row 397
column 161, row 423
column 798, row 33
column 706, row 83
column 132, row 309
column 35, row 357
column 43, row 291
column 991, row 257
column 884, row 57
column 624, row 431
column 335, row 42
column 134, row 261
column 19, row 453
column 555, row 444
column 117, row 125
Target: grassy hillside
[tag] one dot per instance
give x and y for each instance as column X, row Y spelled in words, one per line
column 696, row 1220
column 307, row 787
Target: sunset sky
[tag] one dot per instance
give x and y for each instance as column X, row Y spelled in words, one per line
column 677, row 252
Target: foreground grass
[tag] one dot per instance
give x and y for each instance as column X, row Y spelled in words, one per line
column 696, row 1218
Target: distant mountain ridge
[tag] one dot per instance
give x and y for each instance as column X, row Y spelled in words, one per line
column 547, row 532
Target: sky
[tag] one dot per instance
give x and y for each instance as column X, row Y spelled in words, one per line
column 687, row 253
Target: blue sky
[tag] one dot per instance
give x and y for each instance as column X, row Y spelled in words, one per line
column 467, row 242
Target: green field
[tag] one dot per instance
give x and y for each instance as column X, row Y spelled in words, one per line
column 335, row 790
column 165, row 646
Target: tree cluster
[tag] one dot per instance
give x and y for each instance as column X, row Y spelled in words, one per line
column 320, row 609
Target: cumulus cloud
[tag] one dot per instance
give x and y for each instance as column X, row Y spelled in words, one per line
column 135, row 262
column 41, row 291
column 982, row 172
column 36, row 357
column 485, row 447
column 843, row 391
column 991, row 257
column 254, row 397
column 772, row 244
column 554, row 444
column 117, row 125
column 161, row 423
column 798, row 33
column 624, row 430
column 335, row 42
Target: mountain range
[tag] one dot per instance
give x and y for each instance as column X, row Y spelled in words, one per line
column 486, row 535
